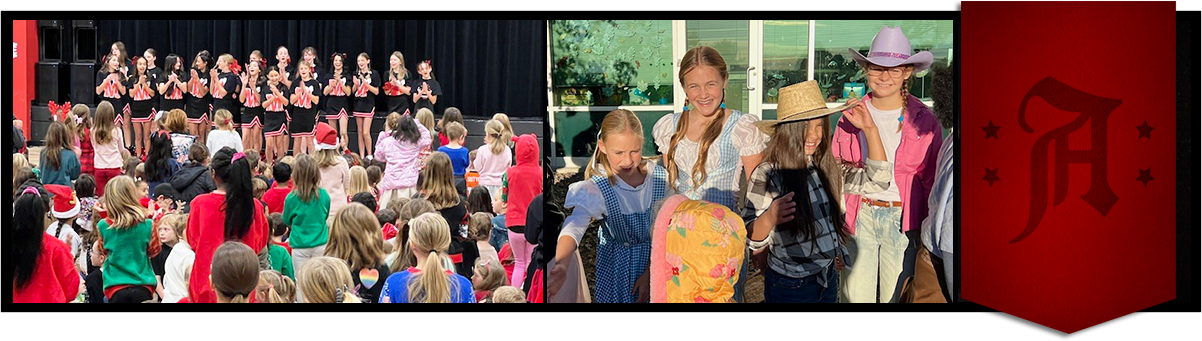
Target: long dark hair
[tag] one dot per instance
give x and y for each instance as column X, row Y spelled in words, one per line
column 203, row 56
column 158, row 159
column 793, row 169
column 407, row 130
column 479, row 201
column 239, row 191
column 170, row 62
column 26, row 231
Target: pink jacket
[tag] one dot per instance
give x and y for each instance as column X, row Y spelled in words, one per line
column 403, row 160
column 914, row 162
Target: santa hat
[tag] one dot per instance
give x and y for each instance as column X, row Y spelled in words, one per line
column 65, row 205
column 325, row 137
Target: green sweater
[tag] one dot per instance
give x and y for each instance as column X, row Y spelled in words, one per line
column 280, row 260
column 308, row 220
column 127, row 262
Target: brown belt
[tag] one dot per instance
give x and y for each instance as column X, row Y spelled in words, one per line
column 881, row 203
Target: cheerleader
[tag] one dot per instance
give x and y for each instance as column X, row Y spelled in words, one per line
column 110, row 86
column 397, row 90
column 118, row 49
column 150, row 55
column 309, row 55
column 283, row 62
column 224, row 85
column 200, row 103
column 337, row 93
column 305, row 95
column 172, row 84
column 256, row 56
column 426, row 90
column 274, row 99
column 367, row 86
column 142, row 94
column 252, row 108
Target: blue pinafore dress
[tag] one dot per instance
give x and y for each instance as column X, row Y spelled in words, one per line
column 624, row 251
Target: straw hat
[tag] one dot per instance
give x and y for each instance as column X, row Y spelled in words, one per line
column 798, row 102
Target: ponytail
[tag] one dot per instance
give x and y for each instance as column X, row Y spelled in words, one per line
column 27, row 229
column 430, row 232
column 239, row 298
column 234, row 170
column 432, row 283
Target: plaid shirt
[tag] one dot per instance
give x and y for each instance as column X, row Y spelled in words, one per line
column 789, row 255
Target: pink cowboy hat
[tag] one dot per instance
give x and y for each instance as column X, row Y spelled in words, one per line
column 891, row 48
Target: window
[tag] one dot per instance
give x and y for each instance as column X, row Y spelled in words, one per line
column 835, row 70
column 611, row 62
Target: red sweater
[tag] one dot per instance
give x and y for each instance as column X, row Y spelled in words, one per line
column 206, row 232
column 525, row 180
column 274, row 198
column 54, row 280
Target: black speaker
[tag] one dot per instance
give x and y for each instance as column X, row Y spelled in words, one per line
column 50, row 43
column 51, row 23
column 83, row 24
column 84, row 46
column 83, row 83
column 51, row 81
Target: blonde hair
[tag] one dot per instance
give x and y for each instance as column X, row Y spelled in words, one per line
column 19, row 161
column 694, row 58
column 260, row 187
column 274, row 287
column 359, row 181
column 306, row 178
column 355, row 237
column 322, row 279
column 437, row 181
column 178, row 223
column 235, row 271
column 288, row 160
column 429, row 233
column 508, row 294
column 403, row 73
column 327, row 158
column 105, row 115
column 177, row 121
column 496, row 129
column 392, row 121
column 615, row 122
column 121, row 202
column 223, row 118
column 455, row 131
column 492, row 274
column 479, row 226
column 405, row 213
column 225, row 58
column 426, row 118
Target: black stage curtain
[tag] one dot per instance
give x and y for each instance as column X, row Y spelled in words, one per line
column 484, row 66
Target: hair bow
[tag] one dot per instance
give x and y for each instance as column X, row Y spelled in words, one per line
column 234, row 67
column 428, row 63
column 237, row 156
column 390, row 231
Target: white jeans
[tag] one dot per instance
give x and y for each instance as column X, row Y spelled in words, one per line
column 299, row 257
column 880, row 250
column 386, row 196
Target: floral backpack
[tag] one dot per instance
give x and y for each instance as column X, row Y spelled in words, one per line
column 696, row 252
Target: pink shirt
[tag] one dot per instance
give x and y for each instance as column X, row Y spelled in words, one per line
column 335, row 180
column 108, row 155
column 492, row 166
column 403, row 160
column 914, row 161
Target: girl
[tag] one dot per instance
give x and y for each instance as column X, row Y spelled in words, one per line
column 275, row 288
column 59, row 164
column 438, row 187
column 390, row 125
column 64, row 210
column 494, row 157
column 621, row 189
column 224, row 136
column 151, row 56
column 108, row 145
column 335, row 171
column 283, row 63
column 326, row 280
column 228, row 213
column 507, row 134
column 337, row 93
column 367, row 86
column 128, row 238
column 173, row 85
column 160, row 166
column 225, row 85
column 142, row 94
column 401, row 153
column 252, row 108
column 358, row 182
column 911, row 137
column 355, row 238
column 118, row 50
column 426, row 89
column 306, row 210
column 178, row 267
column 274, row 99
column 707, row 145
column 480, row 201
column 401, row 258
column 309, row 56
column 166, row 236
column 235, row 272
column 111, row 87
column 43, row 270
column 522, row 183
column 488, row 276
column 181, row 140
column 429, row 281
column 304, row 98
column 480, row 231
column 426, row 118
column 806, row 248
column 397, row 90
column 200, row 103
column 82, row 117
column 85, row 190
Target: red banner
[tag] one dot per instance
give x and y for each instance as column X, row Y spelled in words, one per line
column 25, row 57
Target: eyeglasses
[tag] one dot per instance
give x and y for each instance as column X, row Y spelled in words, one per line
column 895, row 72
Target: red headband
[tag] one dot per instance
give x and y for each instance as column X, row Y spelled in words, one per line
column 234, row 67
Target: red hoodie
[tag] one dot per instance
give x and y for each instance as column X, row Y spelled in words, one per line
column 525, row 180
